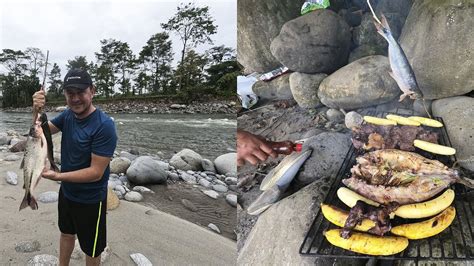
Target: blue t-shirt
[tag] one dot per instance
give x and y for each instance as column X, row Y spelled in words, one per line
column 81, row 137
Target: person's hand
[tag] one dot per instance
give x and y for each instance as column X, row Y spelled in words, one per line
column 251, row 148
column 39, row 100
column 50, row 174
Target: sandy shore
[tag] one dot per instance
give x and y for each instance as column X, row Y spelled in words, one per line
column 131, row 228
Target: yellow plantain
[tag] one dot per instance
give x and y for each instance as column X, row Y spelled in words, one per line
column 350, row 198
column 379, row 121
column 339, row 217
column 427, row 208
column 434, row 148
column 426, row 121
column 403, row 120
column 368, row 244
column 426, row 228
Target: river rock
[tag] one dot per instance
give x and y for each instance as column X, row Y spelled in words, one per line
column 204, row 182
column 437, row 39
column 279, row 231
column 27, row 246
column 48, row 197
column 19, row 147
column 119, row 165
column 214, row 228
column 231, row 180
column 327, row 35
column 211, row 193
column 362, row 83
column 5, row 138
column 366, row 50
column 304, row 88
column 231, row 199
column 187, row 159
column 140, row 259
column 112, row 200
column 208, row 165
column 145, row 170
column 188, row 178
column 142, row 189
column 276, row 89
column 220, row 188
column 226, row 163
column 11, row 178
column 133, row 196
column 329, row 150
column 189, row 205
column 120, row 188
column 12, row 158
column 128, row 155
column 258, row 23
column 173, row 176
column 353, row 119
column 44, row 259
column 458, row 117
column 334, row 115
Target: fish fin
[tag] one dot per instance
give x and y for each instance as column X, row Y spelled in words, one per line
column 22, row 163
column 466, row 182
column 402, row 97
column 37, row 181
column 384, row 22
column 28, row 200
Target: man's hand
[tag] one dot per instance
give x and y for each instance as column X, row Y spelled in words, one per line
column 39, row 100
column 252, row 148
column 51, row 175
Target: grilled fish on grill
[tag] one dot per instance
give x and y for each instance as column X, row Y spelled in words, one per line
column 392, row 175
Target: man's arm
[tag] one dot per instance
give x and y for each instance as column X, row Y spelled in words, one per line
column 90, row 174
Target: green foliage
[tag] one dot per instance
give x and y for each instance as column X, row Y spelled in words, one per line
column 55, row 83
column 78, row 62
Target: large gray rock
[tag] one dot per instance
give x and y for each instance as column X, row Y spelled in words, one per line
column 145, row 170
column 304, row 88
column 317, row 42
column 258, row 23
column 437, row 39
column 458, row 116
column 119, row 165
column 4, row 138
column 276, row 89
column 279, row 231
column 362, row 83
column 187, row 159
column 226, row 163
column 329, row 150
column 208, row 165
column 366, row 50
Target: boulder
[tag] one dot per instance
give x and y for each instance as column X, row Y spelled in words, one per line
column 187, row 159
column 145, row 170
column 258, row 23
column 276, row 89
column 366, row 50
column 5, row 138
column 119, row 165
column 208, row 165
column 437, row 39
column 226, row 163
column 133, row 196
column 317, row 42
column 329, row 151
column 458, row 117
column 304, row 88
column 362, row 83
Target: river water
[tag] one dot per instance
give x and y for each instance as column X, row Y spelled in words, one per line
column 210, row 135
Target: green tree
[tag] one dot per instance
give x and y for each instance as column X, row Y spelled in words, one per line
column 55, row 82
column 156, row 57
column 217, row 54
column 78, row 62
column 191, row 75
column 36, row 60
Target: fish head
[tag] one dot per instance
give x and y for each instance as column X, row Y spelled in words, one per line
column 35, row 130
column 382, row 27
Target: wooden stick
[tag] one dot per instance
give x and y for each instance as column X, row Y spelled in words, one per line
column 45, row 68
column 373, row 13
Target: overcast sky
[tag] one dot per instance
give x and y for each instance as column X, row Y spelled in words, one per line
column 69, row 28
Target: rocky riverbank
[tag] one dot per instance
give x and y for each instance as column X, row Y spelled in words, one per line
column 151, row 107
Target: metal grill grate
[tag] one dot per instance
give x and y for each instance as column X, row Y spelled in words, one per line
column 453, row 244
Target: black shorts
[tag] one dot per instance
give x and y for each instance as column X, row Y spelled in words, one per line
column 88, row 221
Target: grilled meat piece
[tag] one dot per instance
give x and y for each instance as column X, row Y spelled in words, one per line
column 379, row 215
column 391, row 175
column 374, row 137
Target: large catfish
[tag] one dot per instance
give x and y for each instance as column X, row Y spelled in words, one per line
column 38, row 156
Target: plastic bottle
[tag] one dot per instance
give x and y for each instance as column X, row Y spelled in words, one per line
column 286, row 147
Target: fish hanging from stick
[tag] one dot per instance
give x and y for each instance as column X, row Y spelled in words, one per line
column 402, row 71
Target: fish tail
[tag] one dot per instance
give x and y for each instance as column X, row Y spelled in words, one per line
column 466, row 182
column 426, row 109
column 28, row 200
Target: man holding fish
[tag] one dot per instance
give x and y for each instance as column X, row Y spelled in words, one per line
column 88, row 143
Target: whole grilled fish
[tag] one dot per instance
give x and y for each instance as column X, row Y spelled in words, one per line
column 405, row 177
column 402, row 72
column 36, row 159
